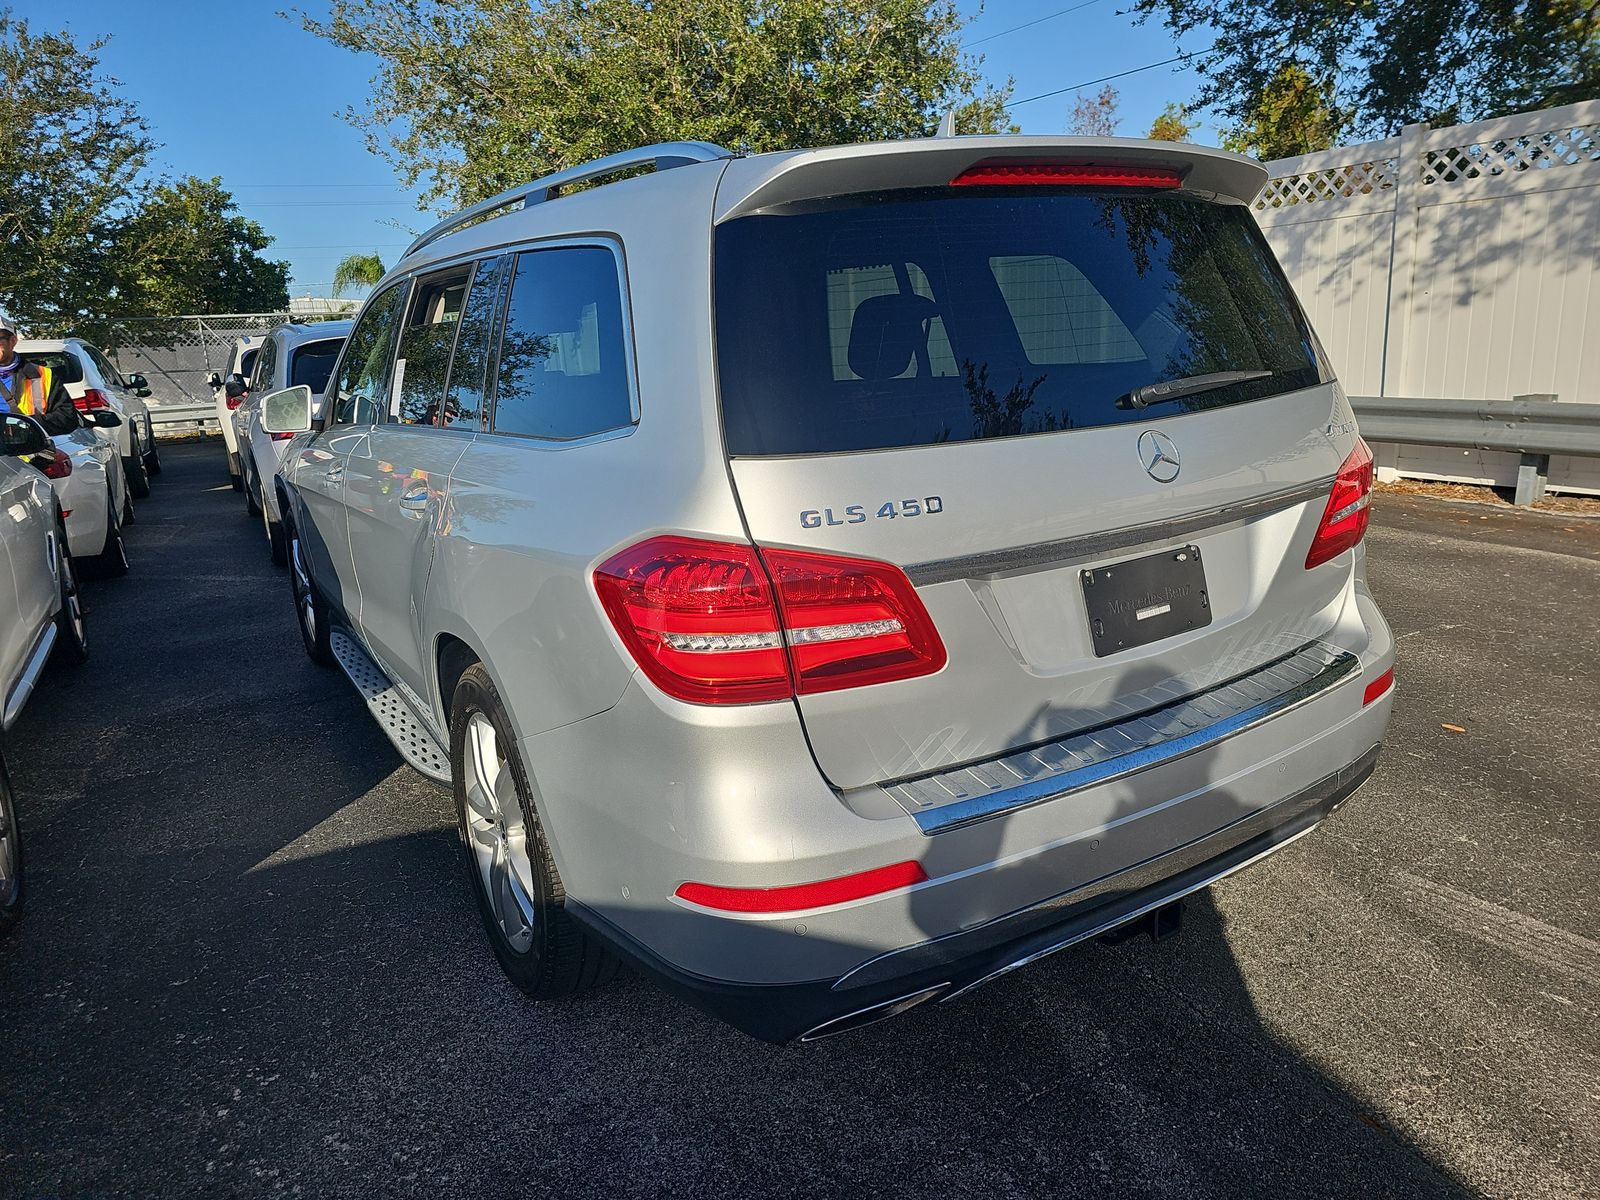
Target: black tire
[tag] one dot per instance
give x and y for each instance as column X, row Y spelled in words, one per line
column 72, row 634
column 152, row 456
column 277, row 543
column 112, row 561
column 561, row 957
column 12, row 891
column 251, row 485
column 138, row 476
column 234, row 477
column 310, row 609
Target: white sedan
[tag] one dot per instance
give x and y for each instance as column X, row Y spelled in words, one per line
column 40, row 612
column 95, row 385
column 88, row 477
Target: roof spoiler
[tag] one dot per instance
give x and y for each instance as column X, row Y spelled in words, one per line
column 763, row 181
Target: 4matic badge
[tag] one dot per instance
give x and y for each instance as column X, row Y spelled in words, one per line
column 856, row 514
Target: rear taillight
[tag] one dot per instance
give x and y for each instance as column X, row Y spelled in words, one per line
column 233, row 402
column 1344, row 521
column 1011, row 172
column 1378, row 687
column 281, row 437
column 91, row 399
column 702, row 620
column 59, row 466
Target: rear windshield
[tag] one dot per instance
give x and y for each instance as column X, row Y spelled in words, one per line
column 64, row 368
column 312, row 363
column 914, row 318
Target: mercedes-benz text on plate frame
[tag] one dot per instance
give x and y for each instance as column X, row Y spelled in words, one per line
column 1160, row 456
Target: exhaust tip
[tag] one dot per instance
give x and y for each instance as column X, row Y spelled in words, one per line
column 873, row 1013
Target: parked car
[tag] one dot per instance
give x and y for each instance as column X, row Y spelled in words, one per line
column 95, row 498
column 40, row 612
column 290, row 356
column 833, row 579
column 228, row 391
column 95, row 385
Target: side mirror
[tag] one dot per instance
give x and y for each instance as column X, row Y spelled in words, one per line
column 102, row 417
column 213, row 380
column 288, row 411
column 136, row 381
column 21, row 436
column 235, row 387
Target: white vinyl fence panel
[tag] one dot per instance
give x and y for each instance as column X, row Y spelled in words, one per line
column 1460, row 262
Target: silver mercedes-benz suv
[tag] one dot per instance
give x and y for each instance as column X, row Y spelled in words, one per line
column 832, row 579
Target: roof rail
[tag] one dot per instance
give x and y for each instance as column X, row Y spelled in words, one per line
column 664, row 155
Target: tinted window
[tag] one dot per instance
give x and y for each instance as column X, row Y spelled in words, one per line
column 914, row 318
column 426, row 345
column 474, row 341
column 103, row 365
column 563, row 369
column 311, row 364
column 362, row 396
column 247, row 362
column 260, row 378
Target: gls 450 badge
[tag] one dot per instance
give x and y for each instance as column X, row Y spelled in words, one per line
column 856, row 514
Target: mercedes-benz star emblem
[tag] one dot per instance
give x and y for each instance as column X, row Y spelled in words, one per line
column 1159, row 455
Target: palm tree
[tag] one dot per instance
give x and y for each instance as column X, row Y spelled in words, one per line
column 357, row 270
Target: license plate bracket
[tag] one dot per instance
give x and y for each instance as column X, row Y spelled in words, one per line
column 1143, row 600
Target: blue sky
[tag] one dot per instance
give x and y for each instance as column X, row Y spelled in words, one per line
column 204, row 75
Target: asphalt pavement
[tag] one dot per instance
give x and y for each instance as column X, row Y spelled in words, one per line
column 251, row 965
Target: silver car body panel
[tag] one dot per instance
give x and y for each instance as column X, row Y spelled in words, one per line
column 29, row 595
column 639, row 792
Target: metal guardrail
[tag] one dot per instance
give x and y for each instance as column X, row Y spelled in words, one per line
column 1533, row 426
column 183, row 418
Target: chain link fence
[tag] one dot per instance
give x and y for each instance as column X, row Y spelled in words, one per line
column 182, row 351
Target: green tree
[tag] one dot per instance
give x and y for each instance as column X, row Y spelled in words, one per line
column 1095, row 116
column 71, row 151
column 1172, row 125
column 477, row 95
column 187, row 251
column 1375, row 66
column 1295, row 114
column 357, row 270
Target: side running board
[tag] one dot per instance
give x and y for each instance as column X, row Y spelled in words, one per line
column 394, row 715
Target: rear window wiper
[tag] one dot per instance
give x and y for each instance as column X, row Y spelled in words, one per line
column 1174, row 389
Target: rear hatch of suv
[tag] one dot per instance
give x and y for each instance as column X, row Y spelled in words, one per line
column 1075, row 402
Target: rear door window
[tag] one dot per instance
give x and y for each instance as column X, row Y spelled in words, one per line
column 921, row 317
column 426, row 345
column 563, row 369
column 463, row 406
column 311, row 364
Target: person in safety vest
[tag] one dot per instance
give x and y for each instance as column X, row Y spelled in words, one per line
column 32, row 389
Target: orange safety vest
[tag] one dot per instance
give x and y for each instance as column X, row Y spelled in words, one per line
column 30, row 400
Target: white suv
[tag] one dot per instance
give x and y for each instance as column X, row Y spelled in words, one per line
column 94, row 383
column 290, row 356
column 832, row 579
column 228, row 392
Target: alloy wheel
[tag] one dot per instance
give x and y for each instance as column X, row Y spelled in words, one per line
column 305, row 605
column 497, row 834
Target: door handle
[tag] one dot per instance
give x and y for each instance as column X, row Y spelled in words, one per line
column 335, row 473
column 415, row 499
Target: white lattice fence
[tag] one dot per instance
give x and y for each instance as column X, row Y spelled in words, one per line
column 1461, row 262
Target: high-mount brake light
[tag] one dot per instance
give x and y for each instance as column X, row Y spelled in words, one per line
column 802, row 896
column 1344, row 520
column 702, row 620
column 92, row 399
column 1014, row 172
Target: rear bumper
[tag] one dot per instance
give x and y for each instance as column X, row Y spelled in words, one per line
column 943, row 968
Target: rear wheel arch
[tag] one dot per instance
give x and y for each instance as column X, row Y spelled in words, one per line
column 452, row 656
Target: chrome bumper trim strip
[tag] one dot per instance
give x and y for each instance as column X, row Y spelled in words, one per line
column 952, row 799
column 1092, row 545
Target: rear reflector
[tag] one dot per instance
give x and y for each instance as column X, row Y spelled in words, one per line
column 1344, row 520
column 702, row 620
column 804, row 895
column 1378, row 687
column 1010, row 172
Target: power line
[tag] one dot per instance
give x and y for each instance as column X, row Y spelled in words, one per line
column 1106, row 78
column 1035, row 21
